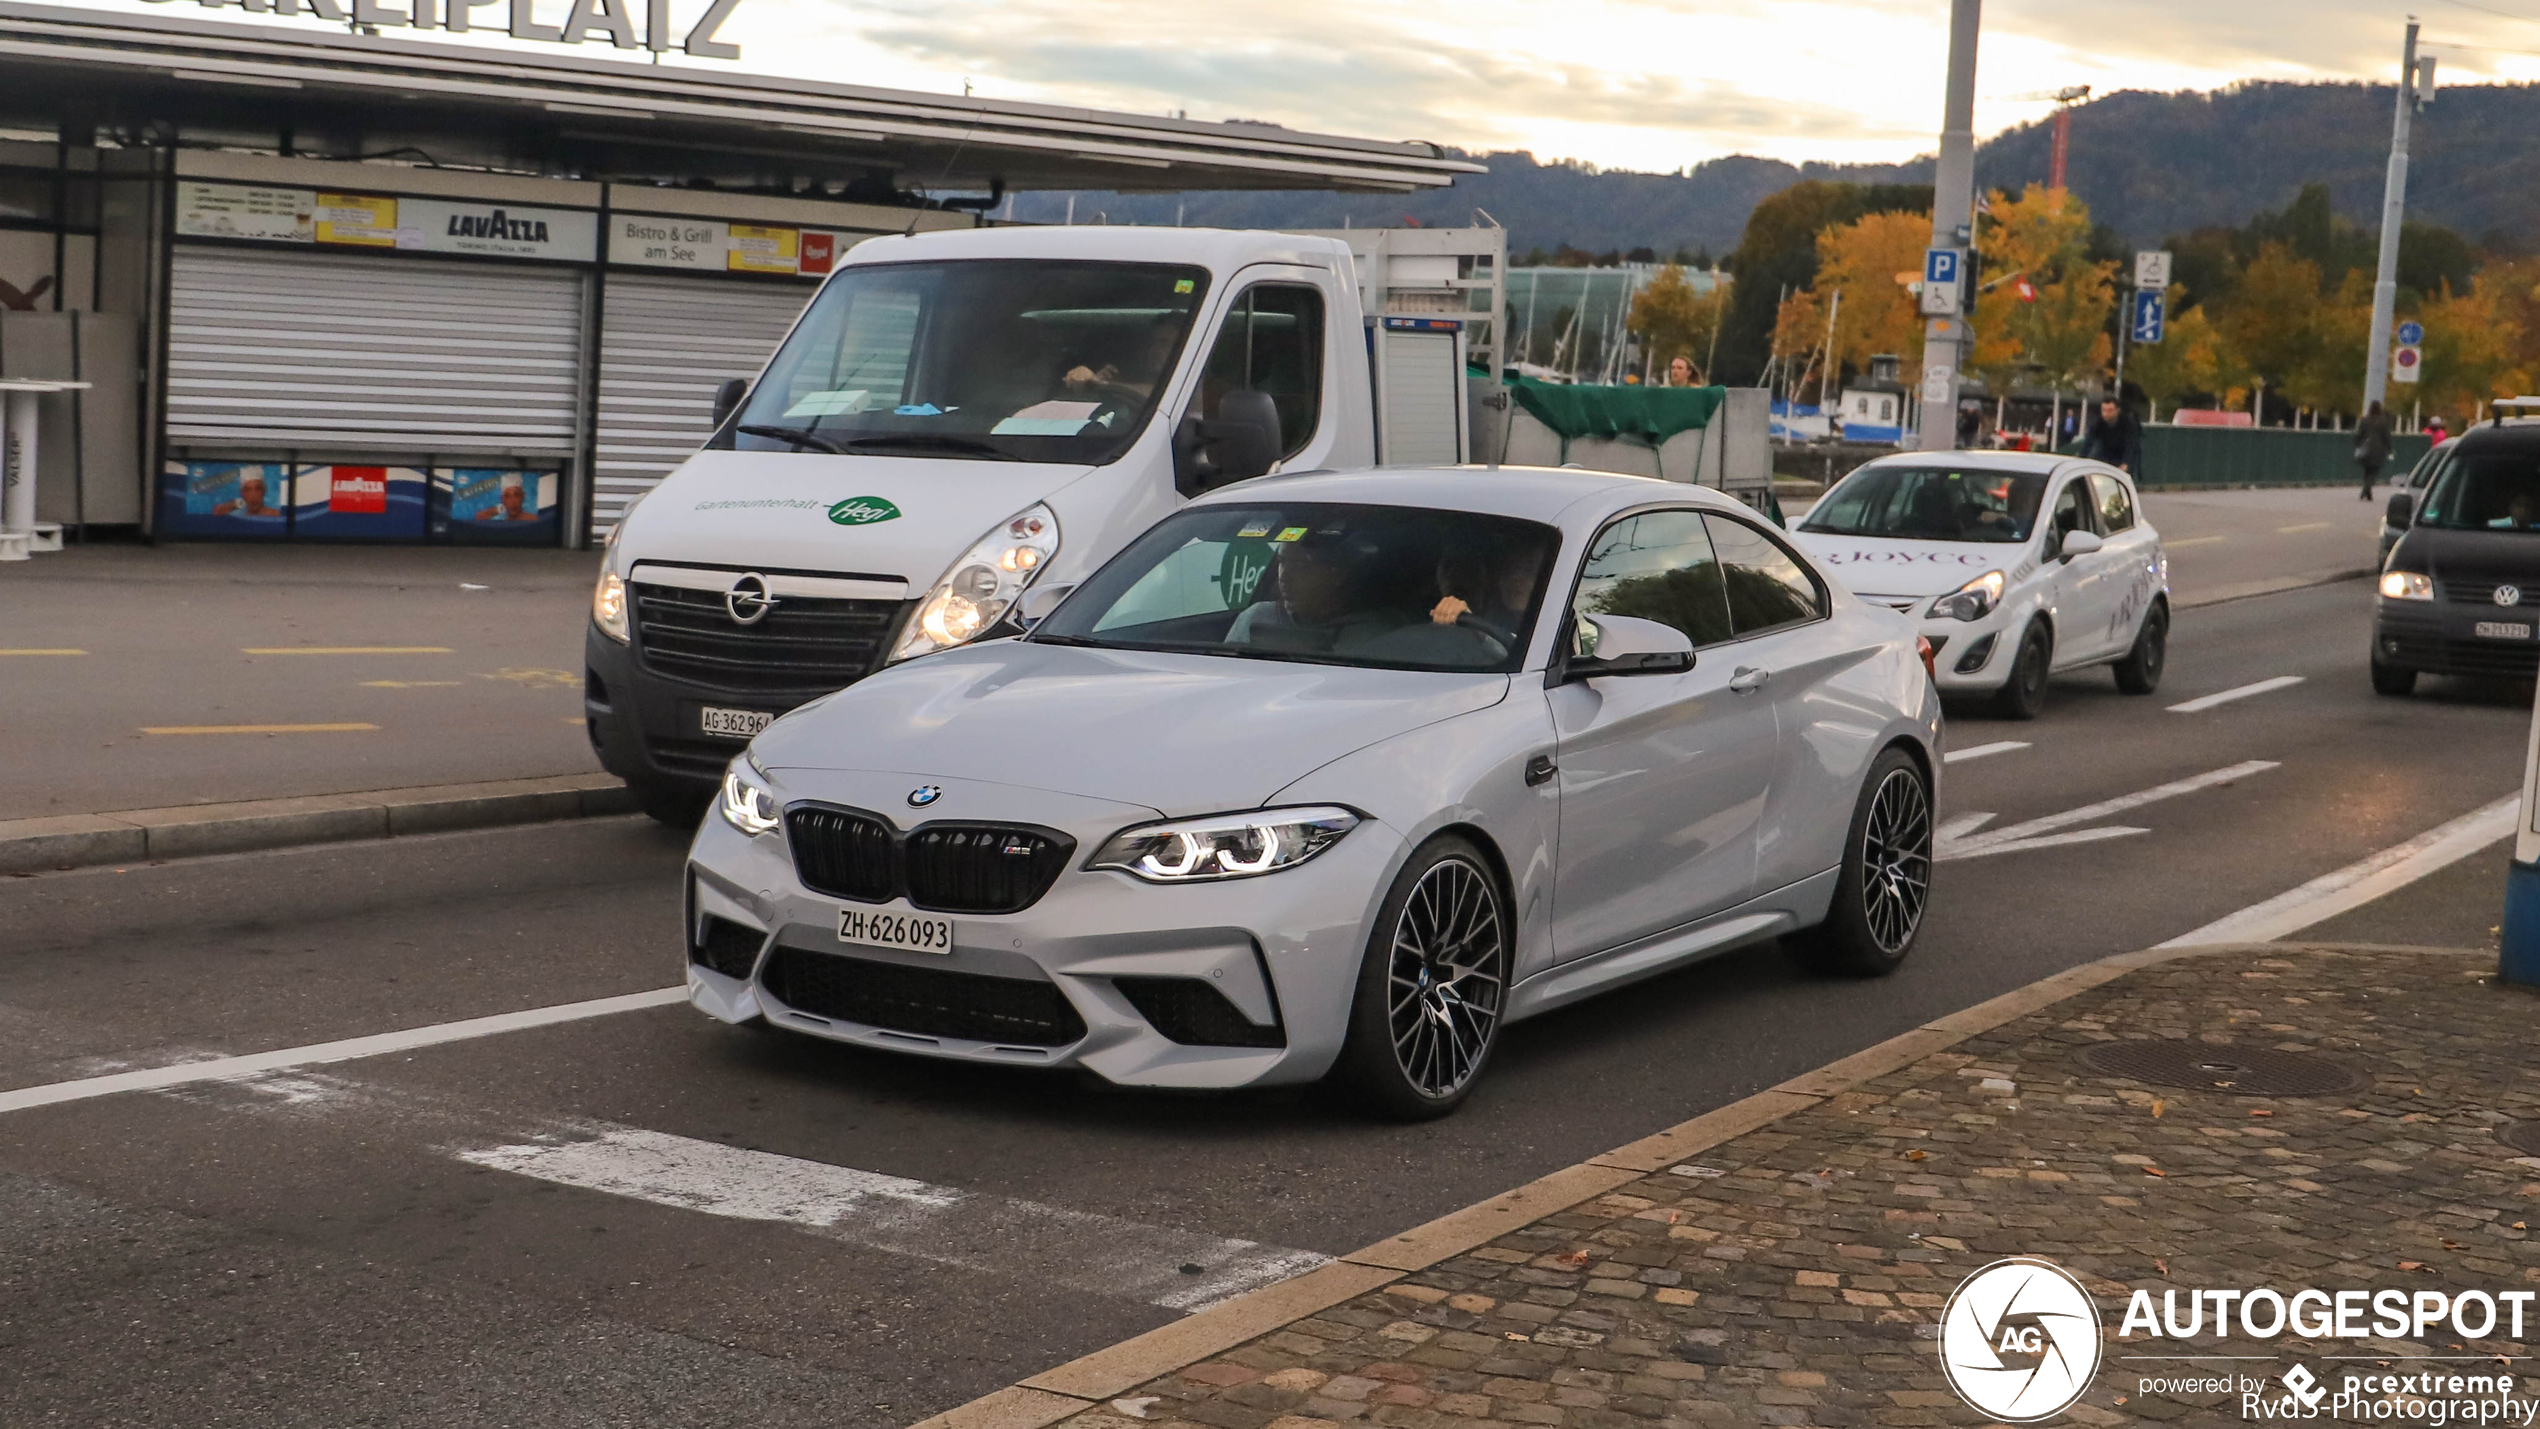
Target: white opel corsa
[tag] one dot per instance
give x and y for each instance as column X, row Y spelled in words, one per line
column 1335, row 773
column 2018, row 565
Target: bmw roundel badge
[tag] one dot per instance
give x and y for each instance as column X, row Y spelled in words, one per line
column 923, row 795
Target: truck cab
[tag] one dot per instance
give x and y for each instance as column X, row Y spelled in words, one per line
column 956, row 418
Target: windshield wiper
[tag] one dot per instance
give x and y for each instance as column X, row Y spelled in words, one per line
column 1076, row 640
column 929, row 441
column 796, row 435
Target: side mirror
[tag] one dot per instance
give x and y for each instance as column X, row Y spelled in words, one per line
column 1039, row 601
column 2079, row 543
column 727, row 399
column 1628, row 645
column 2401, row 510
column 1239, row 443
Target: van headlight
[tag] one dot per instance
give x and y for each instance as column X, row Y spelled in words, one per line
column 747, row 803
column 983, row 585
column 608, row 605
column 1225, row 846
column 1973, row 601
column 2407, row 585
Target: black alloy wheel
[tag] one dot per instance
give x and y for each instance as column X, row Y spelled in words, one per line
column 1885, row 886
column 1433, row 987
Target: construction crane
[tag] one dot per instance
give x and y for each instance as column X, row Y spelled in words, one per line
column 2064, row 99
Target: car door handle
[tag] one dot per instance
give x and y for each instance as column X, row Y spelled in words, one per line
column 1748, row 679
column 1540, row 769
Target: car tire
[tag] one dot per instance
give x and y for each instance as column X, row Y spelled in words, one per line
column 1885, row 885
column 2023, row 695
column 2139, row 673
column 1418, row 1041
column 678, row 806
column 2392, row 679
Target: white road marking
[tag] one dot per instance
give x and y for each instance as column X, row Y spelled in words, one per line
column 2360, row 882
column 1045, row 1244
column 2028, row 835
column 222, row 1069
column 2192, row 541
column 1958, row 826
column 2224, row 697
column 1999, row 746
column 2077, row 836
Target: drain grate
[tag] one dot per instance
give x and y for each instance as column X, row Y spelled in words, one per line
column 2522, row 1136
column 2222, row 1067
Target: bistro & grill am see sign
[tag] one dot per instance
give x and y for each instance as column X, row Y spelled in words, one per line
column 626, row 24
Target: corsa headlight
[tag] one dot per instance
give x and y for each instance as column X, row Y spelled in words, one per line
column 1973, row 601
column 983, row 585
column 2407, row 585
column 1226, row 846
column 747, row 803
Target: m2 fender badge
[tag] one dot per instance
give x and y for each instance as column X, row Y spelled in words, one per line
column 924, row 794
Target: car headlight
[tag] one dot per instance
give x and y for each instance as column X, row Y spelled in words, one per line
column 608, row 605
column 747, row 803
column 2407, row 585
column 1973, row 601
column 983, row 585
column 1226, row 846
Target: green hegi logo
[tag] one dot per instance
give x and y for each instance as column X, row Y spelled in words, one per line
column 862, row 511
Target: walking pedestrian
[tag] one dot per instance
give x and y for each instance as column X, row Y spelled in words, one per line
column 2434, row 430
column 2372, row 445
column 2115, row 437
column 1970, row 423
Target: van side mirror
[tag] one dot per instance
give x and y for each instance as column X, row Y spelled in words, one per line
column 1239, row 443
column 1628, row 645
column 2401, row 510
column 727, row 399
column 1039, row 601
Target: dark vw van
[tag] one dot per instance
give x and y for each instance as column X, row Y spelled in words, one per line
column 2460, row 592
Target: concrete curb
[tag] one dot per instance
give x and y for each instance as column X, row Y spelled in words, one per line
column 142, row 835
column 1082, row 1384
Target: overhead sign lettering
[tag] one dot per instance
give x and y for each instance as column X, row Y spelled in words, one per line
column 420, row 225
column 645, row 241
column 614, row 21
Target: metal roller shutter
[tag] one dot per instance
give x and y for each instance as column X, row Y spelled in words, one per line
column 342, row 352
column 665, row 345
column 1418, row 422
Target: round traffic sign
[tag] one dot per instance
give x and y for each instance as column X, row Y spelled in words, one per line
column 2411, row 332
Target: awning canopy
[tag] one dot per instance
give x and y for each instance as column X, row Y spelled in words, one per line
column 343, row 95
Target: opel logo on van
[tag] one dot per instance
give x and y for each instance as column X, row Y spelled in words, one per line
column 2509, row 595
column 748, row 602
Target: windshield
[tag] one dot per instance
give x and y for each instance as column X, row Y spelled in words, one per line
column 1015, row 360
column 2491, row 490
column 1382, row 586
column 1931, row 503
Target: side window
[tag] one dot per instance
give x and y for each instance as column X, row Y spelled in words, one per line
column 1767, row 586
column 2072, row 508
column 1657, row 566
column 2116, row 504
column 1272, row 342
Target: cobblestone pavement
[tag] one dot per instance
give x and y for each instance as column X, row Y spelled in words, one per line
column 1796, row 1274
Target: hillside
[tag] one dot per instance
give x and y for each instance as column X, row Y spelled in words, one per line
column 2148, row 165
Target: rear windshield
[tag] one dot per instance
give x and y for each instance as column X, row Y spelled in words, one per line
column 1931, row 503
column 2497, row 489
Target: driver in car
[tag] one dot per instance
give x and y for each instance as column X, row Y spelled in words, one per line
column 1321, row 580
column 1488, row 589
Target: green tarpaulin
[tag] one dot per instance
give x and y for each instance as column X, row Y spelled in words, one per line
column 1647, row 415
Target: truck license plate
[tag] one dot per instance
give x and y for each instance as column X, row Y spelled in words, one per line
column 2503, row 630
column 733, row 724
column 908, row 932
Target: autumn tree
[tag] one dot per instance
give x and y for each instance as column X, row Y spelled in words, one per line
column 2471, row 346
column 2329, row 378
column 2042, row 237
column 2273, row 321
column 1673, row 320
column 1869, row 261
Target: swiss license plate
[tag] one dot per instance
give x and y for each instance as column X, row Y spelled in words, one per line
column 908, row 932
column 732, row 724
column 2503, row 630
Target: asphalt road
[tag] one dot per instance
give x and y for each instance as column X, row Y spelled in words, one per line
column 454, row 666
column 639, row 1218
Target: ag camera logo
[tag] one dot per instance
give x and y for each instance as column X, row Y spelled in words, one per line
column 2020, row 1340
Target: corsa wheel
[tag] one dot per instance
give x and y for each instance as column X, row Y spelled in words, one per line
column 1432, row 987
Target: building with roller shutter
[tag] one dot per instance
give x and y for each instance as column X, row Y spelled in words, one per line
column 332, row 286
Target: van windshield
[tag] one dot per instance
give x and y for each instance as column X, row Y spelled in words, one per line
column 1929, row 503
column 2491, row 490
column 996, row 359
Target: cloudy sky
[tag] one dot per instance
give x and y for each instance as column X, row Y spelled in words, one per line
column 1639, row 84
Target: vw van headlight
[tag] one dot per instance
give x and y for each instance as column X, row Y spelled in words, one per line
column 2407, row 585
column 1226, row 846
column 747, row 803
column 1973, row 601
column 983, row 585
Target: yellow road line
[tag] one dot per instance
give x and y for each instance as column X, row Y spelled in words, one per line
column 344, row 650
column 2193, row 541
column 43, row 652
column 256, row 728
column 410, row 684
column 2305, row 526
column 576, row 719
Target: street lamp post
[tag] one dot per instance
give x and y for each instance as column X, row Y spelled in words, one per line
column 1953, row 202
column 2416, row 86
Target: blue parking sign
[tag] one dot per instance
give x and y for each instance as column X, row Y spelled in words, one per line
column 1940, row 265
column 2151, row 314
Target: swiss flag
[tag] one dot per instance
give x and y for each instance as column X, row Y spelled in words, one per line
column 2023, row 289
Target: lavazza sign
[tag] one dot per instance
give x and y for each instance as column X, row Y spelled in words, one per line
column 618, row 22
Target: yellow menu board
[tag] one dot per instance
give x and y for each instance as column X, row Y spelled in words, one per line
column 761, row 250
column 349, row 218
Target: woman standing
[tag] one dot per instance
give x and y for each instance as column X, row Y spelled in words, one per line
column 2372, row 445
